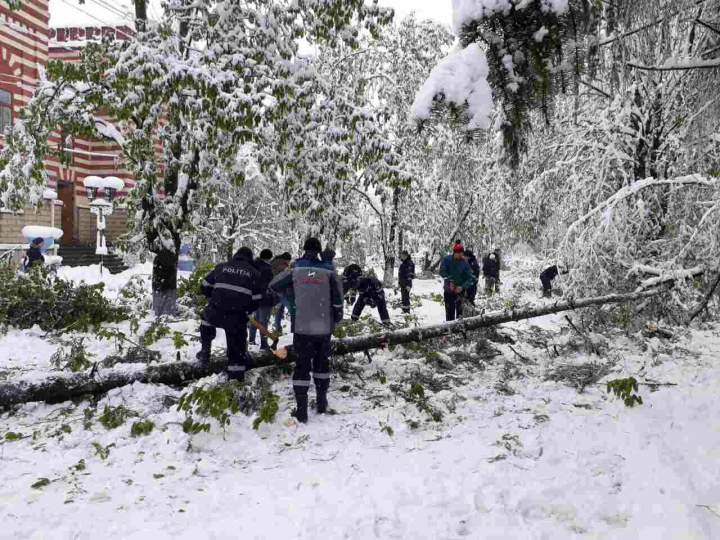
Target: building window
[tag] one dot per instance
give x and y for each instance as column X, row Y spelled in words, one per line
column 5, row 110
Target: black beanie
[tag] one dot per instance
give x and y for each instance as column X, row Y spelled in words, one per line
column 244, row 253
column 285, row 256
column 266, row 254
column 313, row 244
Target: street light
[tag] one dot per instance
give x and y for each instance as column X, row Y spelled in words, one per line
column 102, row 208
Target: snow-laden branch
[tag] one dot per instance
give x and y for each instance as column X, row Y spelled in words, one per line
column 109, row 131
column 664, row 277
column 636, row 187
column 678, row 64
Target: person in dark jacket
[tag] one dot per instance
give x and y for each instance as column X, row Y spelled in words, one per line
column 498, row 258
column 278, row 265
column 406, row 274
column 328, row 256
column 234, row 291
column 34, row 254
column 264, row 310
column 351, row 280
column 318, row 295
column 370, row 292
column 472, row 261
column 457, row 279
column 547, row 276
column 491, row 271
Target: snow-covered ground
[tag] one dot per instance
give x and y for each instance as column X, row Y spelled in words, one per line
column 515, row 456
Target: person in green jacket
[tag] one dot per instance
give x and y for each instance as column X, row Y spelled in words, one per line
column 458, row 277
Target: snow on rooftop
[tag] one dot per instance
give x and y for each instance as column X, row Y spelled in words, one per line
column 462, row 78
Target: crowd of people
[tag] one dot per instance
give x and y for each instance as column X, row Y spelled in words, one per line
column 243, row 292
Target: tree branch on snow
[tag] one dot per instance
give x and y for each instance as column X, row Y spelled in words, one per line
column 58, row 388
column 665, row 277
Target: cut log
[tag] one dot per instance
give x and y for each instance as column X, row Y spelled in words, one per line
column 62, row 387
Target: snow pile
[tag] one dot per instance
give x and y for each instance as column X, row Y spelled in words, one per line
column 467, row 11
column 535, row 460
column 461, row 78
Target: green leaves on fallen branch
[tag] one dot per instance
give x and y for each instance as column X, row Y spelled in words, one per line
column 624, row 388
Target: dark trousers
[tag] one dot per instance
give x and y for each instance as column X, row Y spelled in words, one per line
column 262, row 315
column 381, row 307
column 471, row 293
column 235, row 326
column 546, row 285
column 313, row 354
column 453, row 304
column 405, row 294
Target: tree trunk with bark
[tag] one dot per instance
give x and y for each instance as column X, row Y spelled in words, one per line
column 455, row 232
column 391, row 249
column 63, row 387
column 164, row 282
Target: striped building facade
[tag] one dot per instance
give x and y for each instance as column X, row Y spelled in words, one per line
column 26, row 42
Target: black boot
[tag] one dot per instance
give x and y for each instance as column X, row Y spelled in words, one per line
column 204, row 354
column 264, row 343
column 321, row 390
column 322, row 401
column 301, row 414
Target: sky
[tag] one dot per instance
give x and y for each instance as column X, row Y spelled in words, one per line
column 112, row 12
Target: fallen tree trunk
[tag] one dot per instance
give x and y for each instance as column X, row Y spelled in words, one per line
column 62, row 387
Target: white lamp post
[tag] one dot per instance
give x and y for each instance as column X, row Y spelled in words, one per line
column 50, row 195
column 100, row 207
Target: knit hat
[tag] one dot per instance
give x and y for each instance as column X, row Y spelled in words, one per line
column 266, row 254
column 312, row 244
column 38, row 241
column 457, row 248
column 404, row 253
column 243, row 253
column 285, row 256
column 468, row 253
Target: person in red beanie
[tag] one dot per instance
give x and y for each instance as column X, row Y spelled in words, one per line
column 458, row 277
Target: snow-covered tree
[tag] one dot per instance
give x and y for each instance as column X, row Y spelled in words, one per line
column 211, row 78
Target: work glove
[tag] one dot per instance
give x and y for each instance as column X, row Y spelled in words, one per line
column 338, row 312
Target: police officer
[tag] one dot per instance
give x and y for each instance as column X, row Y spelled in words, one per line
column 318, row 295
column 406, row 274
column 234, row 291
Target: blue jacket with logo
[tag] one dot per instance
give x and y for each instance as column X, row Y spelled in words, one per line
column 317, row 293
